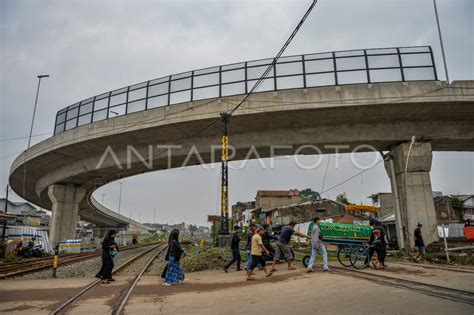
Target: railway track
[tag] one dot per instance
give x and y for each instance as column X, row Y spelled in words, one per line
column 123, row 298
column 425, row 288
column 23, row 267
column 439, row 267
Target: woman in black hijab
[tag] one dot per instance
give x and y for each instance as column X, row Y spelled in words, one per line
column 109, row 250
column 173, row 273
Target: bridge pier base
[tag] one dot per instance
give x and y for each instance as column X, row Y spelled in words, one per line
column 64, row 218
column 414, row 190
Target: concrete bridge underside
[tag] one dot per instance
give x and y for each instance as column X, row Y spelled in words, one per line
column 383, row 115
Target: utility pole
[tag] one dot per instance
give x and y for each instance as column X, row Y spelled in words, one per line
column 441, row 41
column 224, row 232
column 6, row 199
column 120, row 197
column 6, row 211
column 34, row 109
column 31, row 130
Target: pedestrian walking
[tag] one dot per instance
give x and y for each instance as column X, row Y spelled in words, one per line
column 317, row 244
column 256, row 249
column 250, row 233
column 173, row 273
column 109, row 251
column 234, row 247
column 420, row 244
column 267, row 238
column 283, row 249
column 377, row 244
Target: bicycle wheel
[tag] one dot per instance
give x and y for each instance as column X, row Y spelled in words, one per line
column 344, row 255
column 305, row 261
column 359, row 258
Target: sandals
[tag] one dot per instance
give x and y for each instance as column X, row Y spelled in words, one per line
column 250, row 279
column 269, row 274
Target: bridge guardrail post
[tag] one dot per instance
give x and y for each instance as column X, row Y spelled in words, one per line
column 367, row 65
column 400, row 63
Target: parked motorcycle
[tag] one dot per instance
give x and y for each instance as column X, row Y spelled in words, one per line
column 31, row 250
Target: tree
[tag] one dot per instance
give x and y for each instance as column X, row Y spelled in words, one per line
column 375, row 198
column 341, row 198
column 457, row 202
column 309, row 195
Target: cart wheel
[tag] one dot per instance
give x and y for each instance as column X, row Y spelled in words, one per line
column 359, row 258
column 344, row 255
column 306, row 261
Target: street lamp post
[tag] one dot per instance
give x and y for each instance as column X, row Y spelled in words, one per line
column 120, row 197
column 31, row 129
column 34, row 109
column 441, row 41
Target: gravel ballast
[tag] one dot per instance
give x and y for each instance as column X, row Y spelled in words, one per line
column 87, row 268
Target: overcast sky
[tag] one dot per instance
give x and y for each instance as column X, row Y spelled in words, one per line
column 90, row 47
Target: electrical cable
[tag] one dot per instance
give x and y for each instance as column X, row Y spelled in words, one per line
column 325, row 173
column 272, row 65
column 352, row 177
column 26, row 137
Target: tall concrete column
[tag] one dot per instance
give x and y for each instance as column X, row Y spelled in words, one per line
column 414, row 189
column 65, row 200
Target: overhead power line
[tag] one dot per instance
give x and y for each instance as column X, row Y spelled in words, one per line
column 26, row 137
column 272, row 65
column 352, row 177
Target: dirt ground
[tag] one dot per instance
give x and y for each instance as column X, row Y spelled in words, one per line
column 215, row 292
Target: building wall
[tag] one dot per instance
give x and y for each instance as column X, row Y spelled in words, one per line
column 17, row 209
column 445, row 213
column 306, row 211
column 387, row 204
column 278, row 201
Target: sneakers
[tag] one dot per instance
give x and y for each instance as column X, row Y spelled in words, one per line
column 310, row 270
column 326, row 269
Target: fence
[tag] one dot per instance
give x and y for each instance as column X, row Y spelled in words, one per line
column 26, row 233
column 300, row 71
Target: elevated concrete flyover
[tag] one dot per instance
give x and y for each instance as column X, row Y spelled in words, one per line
column 304, row 102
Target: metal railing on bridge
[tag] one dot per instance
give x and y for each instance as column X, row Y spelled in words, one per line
column 398, row 64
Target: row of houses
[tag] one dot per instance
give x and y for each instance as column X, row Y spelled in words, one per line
column 23, row 213
column 449, row 208
column 280, row 207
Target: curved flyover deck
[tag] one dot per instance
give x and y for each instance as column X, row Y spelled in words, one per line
column 376, row 97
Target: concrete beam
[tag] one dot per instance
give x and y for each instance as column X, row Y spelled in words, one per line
column 65, row 201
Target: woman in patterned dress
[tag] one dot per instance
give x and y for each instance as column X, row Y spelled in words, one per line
column 173, row 273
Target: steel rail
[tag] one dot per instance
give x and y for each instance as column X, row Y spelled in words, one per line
column 455, row 269
column 24, row 267
column 425, row 288
column 96, row 282
column 125, row 298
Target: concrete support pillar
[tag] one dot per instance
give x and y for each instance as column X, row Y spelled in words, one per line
column 65, row 200
column 414, row 189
